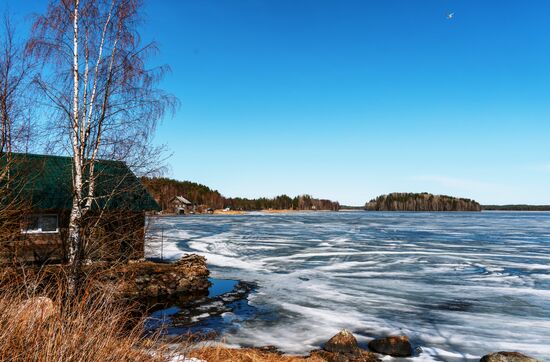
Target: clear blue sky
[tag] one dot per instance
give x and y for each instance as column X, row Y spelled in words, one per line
column 350, row 99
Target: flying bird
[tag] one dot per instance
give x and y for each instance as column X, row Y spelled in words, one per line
column 450, row 16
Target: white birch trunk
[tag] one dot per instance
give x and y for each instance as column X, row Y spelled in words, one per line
column 74, row 237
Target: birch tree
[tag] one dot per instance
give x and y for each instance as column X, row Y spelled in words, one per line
column 105, row 100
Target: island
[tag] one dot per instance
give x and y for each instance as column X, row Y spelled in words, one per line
column 400, row 201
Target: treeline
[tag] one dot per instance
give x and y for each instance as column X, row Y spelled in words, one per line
column 283, row 202
column 421, row 202
column 165, row 189
column 516, row 207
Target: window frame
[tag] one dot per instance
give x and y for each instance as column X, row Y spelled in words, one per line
column 39, row 230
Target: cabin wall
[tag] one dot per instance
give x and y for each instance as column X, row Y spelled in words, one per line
column 118, row 236
column 114, row 236
column 18, row 246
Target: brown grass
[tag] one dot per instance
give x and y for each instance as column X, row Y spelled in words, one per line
column 93, row 327
column 223, row 354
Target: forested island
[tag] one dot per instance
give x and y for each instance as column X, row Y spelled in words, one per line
column 420, row 202
column 165, row 189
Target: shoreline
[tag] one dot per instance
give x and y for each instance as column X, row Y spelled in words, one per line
column 208, row 345
column 291, row 211
column 245, row 212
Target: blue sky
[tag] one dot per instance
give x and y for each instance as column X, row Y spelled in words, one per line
column 351, row 99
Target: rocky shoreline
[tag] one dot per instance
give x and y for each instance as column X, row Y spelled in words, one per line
column 187, row 279
column 146, row 279
column 342, row 347
column 204, row 317
column 186, row 283
column 133, row 280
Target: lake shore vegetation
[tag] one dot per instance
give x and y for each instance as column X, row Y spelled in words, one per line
column 165, row 189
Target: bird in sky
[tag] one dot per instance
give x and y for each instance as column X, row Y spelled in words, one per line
column 450, row 16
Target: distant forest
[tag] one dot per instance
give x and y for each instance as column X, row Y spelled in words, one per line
column 516, row 207
column 165, row 189
column 421, row 202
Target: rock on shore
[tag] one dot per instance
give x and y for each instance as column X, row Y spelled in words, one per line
column 507, row 357
column 342, row 342
column 343, row 347
column 35, row 310
column 148, row 279
column 396, row 346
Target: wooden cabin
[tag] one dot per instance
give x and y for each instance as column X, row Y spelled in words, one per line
column 180, row 205
column 36, row 202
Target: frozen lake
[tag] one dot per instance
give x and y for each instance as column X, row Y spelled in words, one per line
column 458, row 284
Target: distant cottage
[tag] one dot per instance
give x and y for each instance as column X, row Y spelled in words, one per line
column 180, row 205
column 39, row 202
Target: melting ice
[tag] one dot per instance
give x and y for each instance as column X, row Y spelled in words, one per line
column 459, row 285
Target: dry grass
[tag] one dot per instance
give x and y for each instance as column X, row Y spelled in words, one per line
column 223, row 354
column 92, row 327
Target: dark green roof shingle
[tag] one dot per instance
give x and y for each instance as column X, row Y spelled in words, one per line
column 47, row 181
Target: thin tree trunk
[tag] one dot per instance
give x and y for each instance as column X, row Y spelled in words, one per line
column 75, row 244
column 74, row 237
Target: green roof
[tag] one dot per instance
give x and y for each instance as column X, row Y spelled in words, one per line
column 47, row 182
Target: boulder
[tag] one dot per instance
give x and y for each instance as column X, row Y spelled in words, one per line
column 35, row 310
column 343, row 347
column 507, row 357
column 342, row 342
column 396, row 346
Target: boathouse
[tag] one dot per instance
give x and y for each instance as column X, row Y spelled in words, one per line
column 35, row 203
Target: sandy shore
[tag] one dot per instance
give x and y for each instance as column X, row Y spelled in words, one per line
column 284, row 211
column 230, row 212
column 268, row 211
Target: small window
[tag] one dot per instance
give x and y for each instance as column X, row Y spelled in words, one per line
column 36, row 224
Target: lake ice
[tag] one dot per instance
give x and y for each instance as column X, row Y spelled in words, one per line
column 459, row 285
